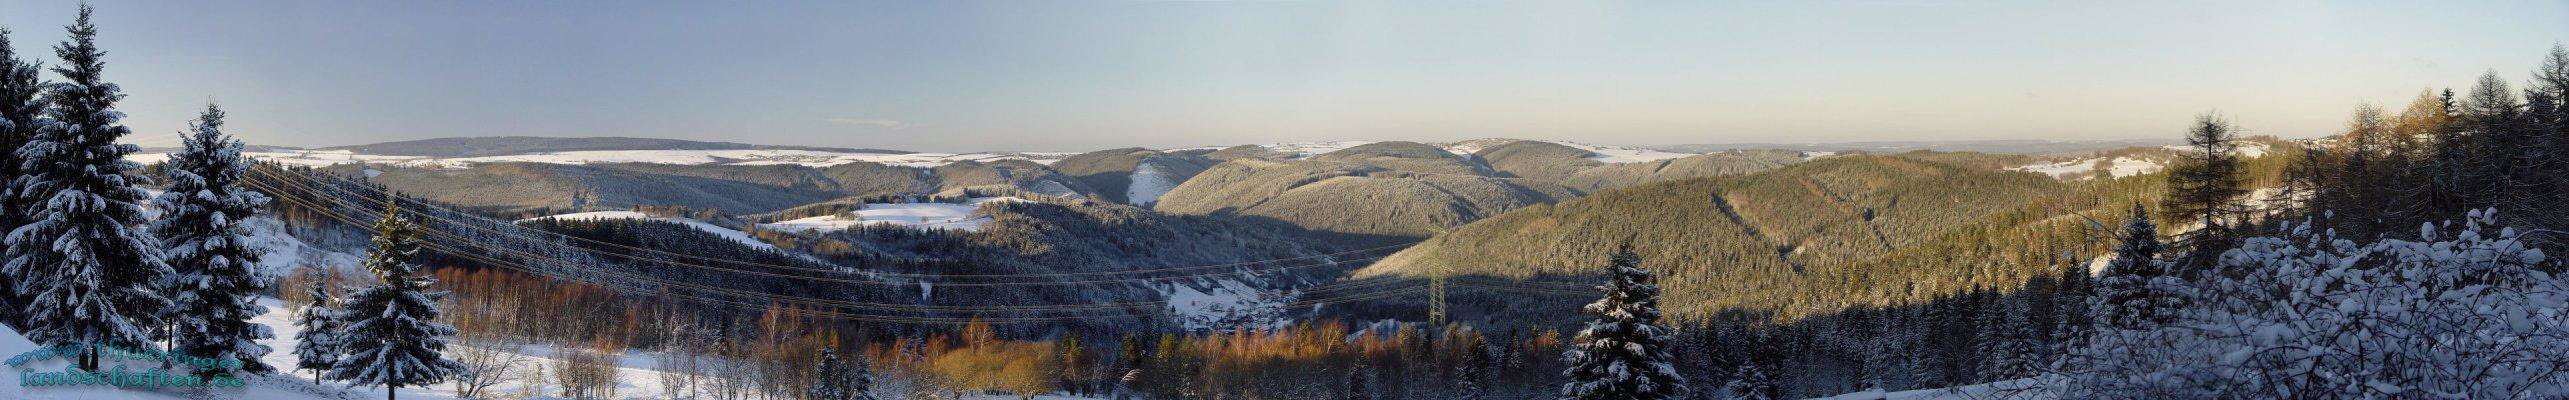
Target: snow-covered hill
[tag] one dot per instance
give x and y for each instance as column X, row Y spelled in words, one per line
column 914, row 215
column 1609, row 154
column 2079, row 168
column 2131, row 161
column 813, row 158
column 1149, row 183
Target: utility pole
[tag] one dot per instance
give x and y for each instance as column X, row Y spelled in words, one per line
column 1436, row 294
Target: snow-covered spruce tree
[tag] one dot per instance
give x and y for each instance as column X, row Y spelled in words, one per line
column 215, row 288
column 317, row 347
column 91, row 278
column 19, row 108
column 860, row 378
column 2124, row 299
column 2006, row 341
column 1752, row 383
column 2463, row 312
column 836, row 380
column 1623, row 354
column 391, row 337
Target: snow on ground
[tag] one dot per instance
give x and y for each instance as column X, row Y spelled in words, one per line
column 812, row 158
column 1148, row 184
column 726, row 233
column 636, row 373
column 2246, row 149
column 1307, row 149
column 1224, row 303
column 1609, row 154
column 2120, row 167
column 1617, row 154
column 914, row 215
column 284, row 388
column 284, row 252
column 2127, row 166
column 2023, row 389
column 2061, row 169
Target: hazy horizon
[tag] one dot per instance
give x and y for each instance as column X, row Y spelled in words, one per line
column 976, row 76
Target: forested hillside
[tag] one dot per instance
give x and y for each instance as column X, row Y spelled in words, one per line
column 530, row 188
column 1394, row 190
column 1809, row 232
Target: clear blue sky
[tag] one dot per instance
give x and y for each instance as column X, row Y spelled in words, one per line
column 1077, row 75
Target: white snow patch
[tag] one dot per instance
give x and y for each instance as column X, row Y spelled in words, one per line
column 283, row 252
column 2027, row 388
column 2127, row 166
column 2246, row 149
column 1303, row 150
column 13, row 344
column 2121, row 167
column 1608, row 154
column 1617, row 154
column 912, row 215
column 1224, row 303
column 1148, row 184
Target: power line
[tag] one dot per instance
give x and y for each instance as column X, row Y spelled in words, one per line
column 1360, row 291
column 343, row 217
column 844, row 304
column 864, row 317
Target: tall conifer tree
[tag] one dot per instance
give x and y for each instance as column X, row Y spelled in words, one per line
column 216, row 286
column 2124, row 297
column 392, row 338
column 19, row 109
column 832, row 377
column 2205, row 187
column 1624, row 353
column 91, row 278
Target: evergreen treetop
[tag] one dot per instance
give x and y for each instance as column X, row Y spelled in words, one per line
column 1624, row 353
column 391, row 338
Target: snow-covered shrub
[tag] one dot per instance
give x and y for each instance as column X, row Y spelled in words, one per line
column 2459, row 313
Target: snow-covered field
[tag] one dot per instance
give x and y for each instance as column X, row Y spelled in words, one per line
column 1222, row 303
column 1149, row 183
column 2118, row 166
column 1616, row 154
column 11, row 387
column 914, row 215
column 811, row 158
column 2127, row 165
